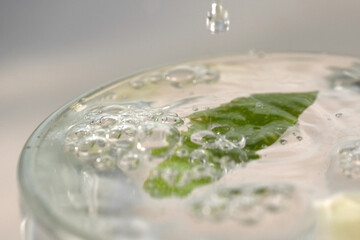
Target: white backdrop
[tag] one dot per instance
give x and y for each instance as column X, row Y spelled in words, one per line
column 52, row 51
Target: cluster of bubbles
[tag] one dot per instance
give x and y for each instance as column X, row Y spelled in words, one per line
column 349, row 160
column 203, row 165
column 177, row 179
column 345, row 78
column 245, row 204
column 179, row 77
column 209, row 140
column 123, row 135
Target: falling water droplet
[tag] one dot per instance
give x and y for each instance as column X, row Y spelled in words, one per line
column 217, row 20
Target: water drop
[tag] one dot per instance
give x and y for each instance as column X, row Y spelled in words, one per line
column 217, row 20
column 283, row 141
column 299, row 138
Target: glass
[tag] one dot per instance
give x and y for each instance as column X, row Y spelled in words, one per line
column 160, row 151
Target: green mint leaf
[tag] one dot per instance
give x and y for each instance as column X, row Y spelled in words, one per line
column 218, row 137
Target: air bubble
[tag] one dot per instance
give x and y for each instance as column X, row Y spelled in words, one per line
column 259, row 105
column 182, row 152
column 90, row 147
column 246, row 210
column 105, row 163
column 206, row 139
column 180, row 76
column 137, row 83
column 107, row 121
column 246, row 204
column 226, row 163
column 220, row 129
column 349, row 160
column 157, row 135
column 154, row 78
column 169, row 175
column 204, row 171
column 198, row 156
column 338, row 115
column 174, row 120
column 130, row 133
column 129, row 161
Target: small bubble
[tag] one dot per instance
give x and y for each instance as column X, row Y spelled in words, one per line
column 226, row 163
column 107, row 121
column 240, row 143
column 246, row 209
column 220, row 129
column 259, row 105
column 172, row 119
column 129, row 161
column 283, row 141
column 205, row 138
column 137, row 83
column 338, row 115
column 198, row 156
column 154, row 78
column 299, row 138
column 180, row 76
column 157, row 136
column 182, row 152
column 169, row 175
column 349, row 160
column 91, row 147
column 105, row 162
column 100, row 133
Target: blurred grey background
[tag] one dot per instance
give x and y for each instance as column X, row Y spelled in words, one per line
column 53, row 51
